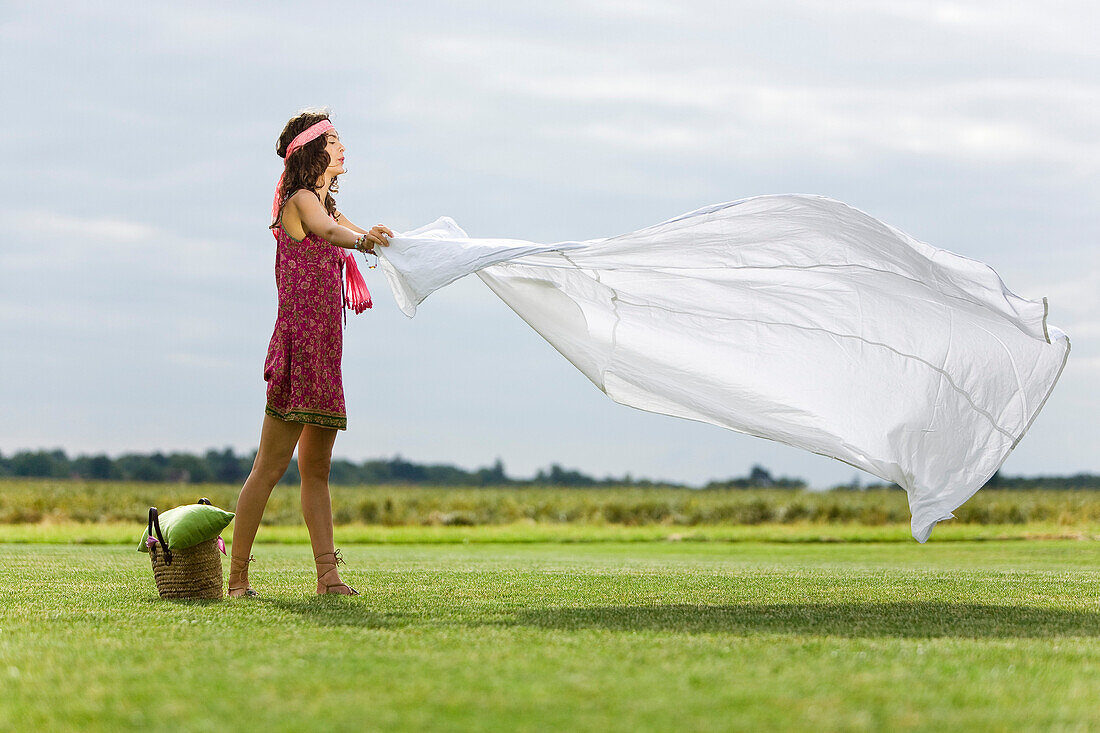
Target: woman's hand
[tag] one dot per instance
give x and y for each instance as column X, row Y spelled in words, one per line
column 380, row 234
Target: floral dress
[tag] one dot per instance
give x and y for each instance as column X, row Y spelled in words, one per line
column 302, row 369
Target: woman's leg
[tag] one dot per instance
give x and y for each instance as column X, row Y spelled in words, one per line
column 314, row 460
column 277, row 441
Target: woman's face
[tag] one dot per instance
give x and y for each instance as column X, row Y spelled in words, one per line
column 335, row 150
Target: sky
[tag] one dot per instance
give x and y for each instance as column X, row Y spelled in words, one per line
column 137, row 291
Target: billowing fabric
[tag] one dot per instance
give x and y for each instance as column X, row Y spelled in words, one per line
column 793, row 318
column 302, row 368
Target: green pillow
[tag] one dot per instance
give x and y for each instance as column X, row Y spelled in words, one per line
column 188, row 525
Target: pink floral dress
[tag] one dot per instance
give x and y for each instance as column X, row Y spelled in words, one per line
column 302, row 369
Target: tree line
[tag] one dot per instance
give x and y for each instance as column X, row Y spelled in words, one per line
column 227, row 467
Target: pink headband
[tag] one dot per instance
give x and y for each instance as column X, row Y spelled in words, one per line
column 309, row 134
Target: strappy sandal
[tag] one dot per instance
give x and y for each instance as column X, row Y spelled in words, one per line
column 336, row 560
column 235, row 564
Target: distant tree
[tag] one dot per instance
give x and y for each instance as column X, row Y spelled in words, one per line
column 343, row 472
column 492, row 476
column 189, row 469
column 99, row 467
column 147, row 469
column 225, row 466
column 376, row 472
column 291, row 476
column 559, row 476
column 402, row 470
column 138, row 467
column 40, row 464
column 447, row 475
column 759, row 476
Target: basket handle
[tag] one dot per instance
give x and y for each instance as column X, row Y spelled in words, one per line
column 154, row 521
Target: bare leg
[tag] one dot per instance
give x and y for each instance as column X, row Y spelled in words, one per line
column 277, row 441
column 314, row 460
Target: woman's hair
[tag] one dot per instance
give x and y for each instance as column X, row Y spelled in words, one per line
column 307, row 164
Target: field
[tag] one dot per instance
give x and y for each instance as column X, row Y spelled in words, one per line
column 536, row 625
column 47, row 500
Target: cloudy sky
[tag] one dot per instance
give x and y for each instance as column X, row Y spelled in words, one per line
column 136, row 271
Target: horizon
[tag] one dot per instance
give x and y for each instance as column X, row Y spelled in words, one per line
column 778, row 476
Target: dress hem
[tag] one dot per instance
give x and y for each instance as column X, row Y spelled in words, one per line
column 310, row 417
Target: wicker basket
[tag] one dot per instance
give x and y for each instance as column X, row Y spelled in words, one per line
column 189, row 572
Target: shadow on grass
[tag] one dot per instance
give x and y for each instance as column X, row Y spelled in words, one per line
column 330, row 610
column 856, row 620
column 339, row 610
column 853, row 620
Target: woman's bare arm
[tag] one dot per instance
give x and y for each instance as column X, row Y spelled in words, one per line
column 341, row 219
column 316, row 220
column 377, row 231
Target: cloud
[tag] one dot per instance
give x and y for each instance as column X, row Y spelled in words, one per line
column 1066, row 29
column 987, row 121
column 111, row 246
column 56, row 225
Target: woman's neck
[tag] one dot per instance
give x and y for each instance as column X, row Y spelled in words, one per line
column 322, row 189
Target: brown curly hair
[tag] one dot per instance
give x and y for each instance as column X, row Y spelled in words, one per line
column 307, row 164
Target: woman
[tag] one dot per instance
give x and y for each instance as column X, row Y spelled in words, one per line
column 305, row 395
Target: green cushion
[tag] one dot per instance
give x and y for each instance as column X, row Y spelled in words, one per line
column 189, row 525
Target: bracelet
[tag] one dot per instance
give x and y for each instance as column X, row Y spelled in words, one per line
column 359, row 246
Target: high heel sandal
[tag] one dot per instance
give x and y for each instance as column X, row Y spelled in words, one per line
column 236, row 563
column 336, row 560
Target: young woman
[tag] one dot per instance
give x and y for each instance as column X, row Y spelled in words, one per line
column 305, row 394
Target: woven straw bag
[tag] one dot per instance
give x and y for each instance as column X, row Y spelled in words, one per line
column 189, row 572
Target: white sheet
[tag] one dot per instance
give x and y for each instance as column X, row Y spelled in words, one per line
column 791, row 317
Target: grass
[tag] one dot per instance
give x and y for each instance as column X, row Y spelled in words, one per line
column 597, row 633
column 130, row 533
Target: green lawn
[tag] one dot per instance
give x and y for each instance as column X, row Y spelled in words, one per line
column 607, row 635
column 130, row 533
